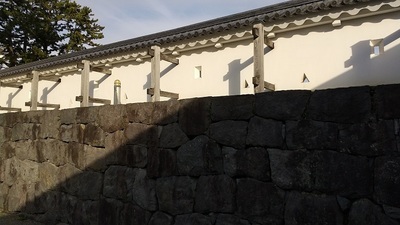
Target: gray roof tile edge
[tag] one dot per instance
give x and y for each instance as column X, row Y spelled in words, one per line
column 243, row 19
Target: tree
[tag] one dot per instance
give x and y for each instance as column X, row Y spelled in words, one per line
column 32, row 30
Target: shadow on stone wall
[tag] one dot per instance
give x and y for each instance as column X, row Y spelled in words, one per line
column 292, row 157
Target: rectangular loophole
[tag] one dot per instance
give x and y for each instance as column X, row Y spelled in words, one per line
column 377, row 47
column 197, row 72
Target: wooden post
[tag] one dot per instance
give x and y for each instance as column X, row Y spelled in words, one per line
column 155, row 73
column 258, row 35
column 34, row 90
column 85, row 83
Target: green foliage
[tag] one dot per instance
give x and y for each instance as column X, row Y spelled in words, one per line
column 32, row 30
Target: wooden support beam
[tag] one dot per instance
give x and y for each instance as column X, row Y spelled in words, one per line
column 34, row 90
column 54, row 79
column 45, row 105
column 258, row 36
column 155, row 73
column 85, row 83
column 164, row 57
column 96, row 69
column 267, row 85
column 269, row 43
column 94, row 100
column 10, row 109
column 150, row 91
column 19, row 86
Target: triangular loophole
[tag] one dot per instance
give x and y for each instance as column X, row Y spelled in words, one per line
column 305, row 79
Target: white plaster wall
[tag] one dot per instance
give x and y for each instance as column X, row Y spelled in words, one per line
column 330, row 57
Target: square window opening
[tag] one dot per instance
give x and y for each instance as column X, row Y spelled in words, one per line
column 198, row 72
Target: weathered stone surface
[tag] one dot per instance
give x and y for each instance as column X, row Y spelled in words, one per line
column 230, row 133
column 156, row 113
column 386, row 98
column 3, row 196
column 115, row 141
column 72, row 133
column 13, row 170
column 133, row 155
column 53, row 151
column 311, row 135
column 134, row 215
column 94, row 136
column 215, row 194
column 160, row 218
column 162, row 162
column 344, row 203
column 303, row 208
column 227, row 219
column 113, row 118
column 193, row 219
column 194, row 115
column 68, row 116
column 176, row 194
column 86, row 212
column 346, row 105
column 85, row 185
column 259, row 201
column 363, row 211
column 76, row 155
column 393, row 212
column 5, row 134
column 228, row 108
column 110, row 211
column 25, row 131
column 141, row 134
column 252, row 162
column 387, row 182
column 17, row 197
column 97, row 158
column 200, row 156
column 49, row 176
column 118, row 182
column 23, row 150
column 144, row 191
column 86, row 115
column 264, row 132
column 50, row 125
column 326, row 171
column 372, row 139
column 282, row 105
column 172, row 136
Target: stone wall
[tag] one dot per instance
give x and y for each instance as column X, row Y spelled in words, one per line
column 293, row 157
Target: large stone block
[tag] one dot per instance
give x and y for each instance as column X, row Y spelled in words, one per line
column 50, row 125
column 215, row 194
column 25, row 131
column 265, row 133
column 13, row 170
column 68, row 116
column 346, row 105
column 310, row 134
column 172, row 136
column 86, row 213
column 282, row 105
column 229, row 133
column 96, row 159
column 141, row 134
column 53, row 151
column 386, row 98
column 252, row 162
column 144, row 191
column 112, row 118
column 86, row 115
column 160, row 218
column 303, row 208
column 118, row 182
column 193, row 219
column 387, row 182
column 155, row 113
column 133, row 215
column 227, row 219
column 162, row 162
column 176, row 194
column 49, row 176
column 363, row 211
column 72, row 133
column 325, row 171
column 194, row 116
column 3, row 196
column 372, row 139
column 94, row 136
column 85, row 185
column 232, row 108
column 200, row 156
column 110, row 211
column 26, row 149
column 259, row 201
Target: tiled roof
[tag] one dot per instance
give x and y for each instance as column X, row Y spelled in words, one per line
column 264, row 14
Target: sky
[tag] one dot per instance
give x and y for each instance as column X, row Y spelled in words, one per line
column 125, row 19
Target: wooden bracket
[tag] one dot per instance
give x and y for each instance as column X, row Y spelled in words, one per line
column 10, row 109
column 19, row 86
column 96, row 69
column 94, row 100
column 164, row 57
column 55, row 106
column 269, row 43
column 150, row 91
column 267, row 85
column 47, row 78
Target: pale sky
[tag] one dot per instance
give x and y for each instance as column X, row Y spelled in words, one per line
column 125, row 19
